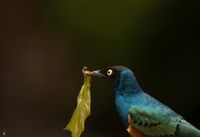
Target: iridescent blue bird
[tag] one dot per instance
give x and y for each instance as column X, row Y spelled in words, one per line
column 143, row 115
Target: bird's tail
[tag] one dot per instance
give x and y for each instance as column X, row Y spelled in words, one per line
column 188, row 130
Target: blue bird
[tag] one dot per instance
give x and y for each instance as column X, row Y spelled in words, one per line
column 143, row 115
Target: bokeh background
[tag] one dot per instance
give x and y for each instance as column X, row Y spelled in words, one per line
column 45, row 44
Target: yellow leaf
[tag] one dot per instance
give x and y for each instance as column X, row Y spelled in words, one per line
column 77, row 123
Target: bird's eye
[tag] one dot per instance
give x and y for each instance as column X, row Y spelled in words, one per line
column 109, row 72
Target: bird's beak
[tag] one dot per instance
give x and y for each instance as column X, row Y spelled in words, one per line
column 97, row 73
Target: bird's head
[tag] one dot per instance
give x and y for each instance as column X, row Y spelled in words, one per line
column 120, row 77
column 111, row 73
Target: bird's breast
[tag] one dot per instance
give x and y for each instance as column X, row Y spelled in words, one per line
column 124, row 102
column 122, row 108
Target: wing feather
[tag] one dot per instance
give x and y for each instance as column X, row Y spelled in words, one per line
column 157, row 122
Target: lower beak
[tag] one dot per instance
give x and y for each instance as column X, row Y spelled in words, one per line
column 97, row 73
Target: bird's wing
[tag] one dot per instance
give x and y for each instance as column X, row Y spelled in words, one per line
column 154, row 122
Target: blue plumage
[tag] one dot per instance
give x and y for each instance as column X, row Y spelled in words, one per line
column 142, row 112
column 129, row 94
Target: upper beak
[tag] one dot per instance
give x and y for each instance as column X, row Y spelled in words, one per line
column 97, row 73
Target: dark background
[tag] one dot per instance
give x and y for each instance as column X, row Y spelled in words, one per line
column 45, row 44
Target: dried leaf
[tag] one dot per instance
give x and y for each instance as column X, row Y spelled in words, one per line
column 77, row 122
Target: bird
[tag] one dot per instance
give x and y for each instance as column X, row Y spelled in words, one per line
column 142, row 114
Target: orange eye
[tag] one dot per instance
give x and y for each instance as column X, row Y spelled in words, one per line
column 109, row 72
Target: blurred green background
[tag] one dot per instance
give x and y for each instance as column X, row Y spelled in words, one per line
column 45, row 44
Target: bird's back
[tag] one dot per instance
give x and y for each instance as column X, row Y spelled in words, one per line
column 144, row 101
